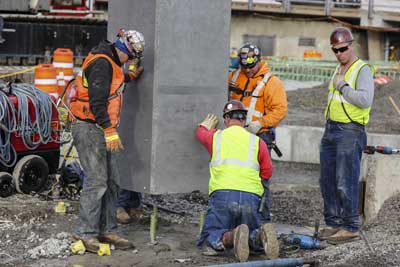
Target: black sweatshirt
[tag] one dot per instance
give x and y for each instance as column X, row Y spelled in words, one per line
column 99, row 76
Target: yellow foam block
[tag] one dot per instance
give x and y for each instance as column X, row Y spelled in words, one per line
column 104, row 250
column 78, row 247
column 60, row 208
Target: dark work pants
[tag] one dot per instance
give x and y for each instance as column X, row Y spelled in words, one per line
column 97, row 207
column 340, row 158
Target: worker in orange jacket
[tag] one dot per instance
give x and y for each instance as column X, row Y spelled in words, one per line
column 96, row 107
column 264, row 97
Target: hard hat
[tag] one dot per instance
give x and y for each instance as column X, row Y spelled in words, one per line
column 249, row 55
column 235, row 110
column 341, row 35
column 132, row 40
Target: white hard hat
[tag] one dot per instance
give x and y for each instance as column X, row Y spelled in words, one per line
column 133, row 40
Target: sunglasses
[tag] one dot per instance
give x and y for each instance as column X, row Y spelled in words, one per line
column 341, row 49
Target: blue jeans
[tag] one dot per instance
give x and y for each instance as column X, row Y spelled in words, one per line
column 97, row 206
column 226, row 210
column 129, row 199
column 340, row 159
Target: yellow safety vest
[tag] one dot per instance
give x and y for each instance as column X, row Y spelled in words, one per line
column 234, row 161
column 338, row 109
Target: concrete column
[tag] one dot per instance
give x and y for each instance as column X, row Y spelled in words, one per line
column 185, row 77
column 375, row 46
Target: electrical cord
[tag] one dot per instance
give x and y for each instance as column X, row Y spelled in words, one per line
column 30, row 119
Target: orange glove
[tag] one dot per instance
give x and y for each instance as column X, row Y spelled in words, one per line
column 113, row 143
column 134, row 72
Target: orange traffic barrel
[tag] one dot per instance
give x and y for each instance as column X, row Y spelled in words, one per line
column 46, row 79
column 63, row 61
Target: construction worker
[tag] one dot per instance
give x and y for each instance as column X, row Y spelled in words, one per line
column 351, row 92
column 96, row 108
column 263, row 95
column 239, row 163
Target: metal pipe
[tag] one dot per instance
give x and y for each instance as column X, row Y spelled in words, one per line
column 267, row 263
column 327, row 8
column 370, row 9
column 250, row 5
column 386, row 49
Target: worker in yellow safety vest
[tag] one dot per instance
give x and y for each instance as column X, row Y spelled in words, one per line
column 351, row 92
column 239, row 164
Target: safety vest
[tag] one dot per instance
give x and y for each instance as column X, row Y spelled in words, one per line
column 80, row 106
column 234, row 161
column 338, row 109
column 253, row 100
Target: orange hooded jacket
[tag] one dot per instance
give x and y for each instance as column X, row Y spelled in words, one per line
column 269, row 103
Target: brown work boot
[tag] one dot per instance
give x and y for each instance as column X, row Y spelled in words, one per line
column 135, row 212
column 241, row 242
column 92, row 244
column 269, row 240
column 117, row 241
column 343, row 236
column 122, row 216
column 327, row 232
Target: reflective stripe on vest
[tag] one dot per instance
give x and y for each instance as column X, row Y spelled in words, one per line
column 249, row 163
column 340, row 110
column 251, row 109
column 234, row 161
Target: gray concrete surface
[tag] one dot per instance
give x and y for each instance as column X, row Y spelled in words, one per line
column 382, row 182
column 185, row 62
column 301, row 143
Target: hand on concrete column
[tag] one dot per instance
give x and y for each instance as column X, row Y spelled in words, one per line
column 113, row 142
column 210, row 121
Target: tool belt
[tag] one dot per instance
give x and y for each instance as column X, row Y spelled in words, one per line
column 269, row 138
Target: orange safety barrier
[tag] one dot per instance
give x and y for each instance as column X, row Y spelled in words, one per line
column 63, row 61
column 46, row 79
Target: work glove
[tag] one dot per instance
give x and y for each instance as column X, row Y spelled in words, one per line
column 134, row 72
column 113, row 143
column 339, row 82
column 210, row 122
column 254, row 127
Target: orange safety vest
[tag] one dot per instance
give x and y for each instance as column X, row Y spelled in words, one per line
column 253, row 97
column 80, row 106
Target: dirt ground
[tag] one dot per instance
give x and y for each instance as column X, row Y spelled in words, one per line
column 32, row 234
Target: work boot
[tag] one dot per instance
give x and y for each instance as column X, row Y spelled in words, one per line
column 135, row 212
column 269, row 240
column 343, row 236
column 122, row 216
column 92, row 244
column 117, row 241
column 239, row 239
column 327, row 232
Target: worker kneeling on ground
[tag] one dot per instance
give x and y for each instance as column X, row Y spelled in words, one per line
column 240, row 163
column 97, row 107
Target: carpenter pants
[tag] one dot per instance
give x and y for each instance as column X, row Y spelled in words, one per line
column 97, row 209
column 226, row 210
column 340, row 158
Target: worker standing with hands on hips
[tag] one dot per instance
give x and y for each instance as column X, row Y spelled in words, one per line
column 97, row 108
column 351, row 92
column 239, row 162
column 264, row 96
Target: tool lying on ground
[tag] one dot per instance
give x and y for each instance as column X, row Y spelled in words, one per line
column 303, row 241
column 381, row 149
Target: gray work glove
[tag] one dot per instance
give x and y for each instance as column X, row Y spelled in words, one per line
column 339, row 82
column 254, row 127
